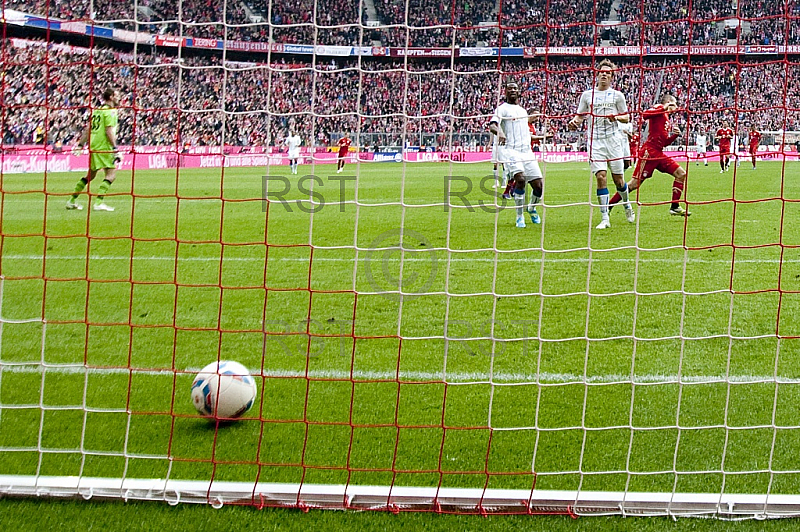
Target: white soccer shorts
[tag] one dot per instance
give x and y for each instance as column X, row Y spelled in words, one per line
column 605, row 154
column 515, row 162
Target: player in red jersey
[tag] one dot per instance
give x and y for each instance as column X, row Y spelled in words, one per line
column 537, row 138
column 633, row 142
column 652, row 157
column 724, row 136
column 535, row 141
column 344, row 147
column 755, row 140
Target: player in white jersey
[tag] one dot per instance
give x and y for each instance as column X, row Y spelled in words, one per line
column 606, row 109
column 625, row 132
column 293, row 142
column 510, row 123
column 736, row 150
column 497, row 167
column 700, row 142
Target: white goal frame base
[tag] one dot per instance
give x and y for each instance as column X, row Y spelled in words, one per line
column 490, row 501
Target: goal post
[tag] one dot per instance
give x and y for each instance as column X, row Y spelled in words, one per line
column 405, row 498
column 415, row 347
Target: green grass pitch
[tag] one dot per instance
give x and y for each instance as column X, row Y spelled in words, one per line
column 654, row 356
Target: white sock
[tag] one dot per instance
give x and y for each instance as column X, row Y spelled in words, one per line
column 623, row 194
column 519, row 201
column 602, row 198
column 534, row 201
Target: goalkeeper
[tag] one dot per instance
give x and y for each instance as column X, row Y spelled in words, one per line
column 101, row 134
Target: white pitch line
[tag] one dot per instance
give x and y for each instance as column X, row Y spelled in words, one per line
column 597, row 257
column 423, row 376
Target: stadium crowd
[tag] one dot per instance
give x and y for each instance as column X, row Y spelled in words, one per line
column 201, row 101
column 445, row 23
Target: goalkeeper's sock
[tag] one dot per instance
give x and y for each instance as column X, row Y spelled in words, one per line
column 677, row 192
column 102, row 190
column 602, row 199
column 79, row 188
column 519, row 199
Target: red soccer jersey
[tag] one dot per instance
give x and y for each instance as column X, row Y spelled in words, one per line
column 724, row 135
column 633, row 142
column 755, row 139
column 659, row 136
column 344, row 145
column 534, row 142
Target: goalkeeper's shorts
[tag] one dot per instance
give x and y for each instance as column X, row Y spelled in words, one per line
column 101, row 160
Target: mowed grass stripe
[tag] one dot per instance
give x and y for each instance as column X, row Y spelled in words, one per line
column 501, row 258
column 421, row 376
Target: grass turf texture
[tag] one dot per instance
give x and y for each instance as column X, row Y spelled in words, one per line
column 176, row 276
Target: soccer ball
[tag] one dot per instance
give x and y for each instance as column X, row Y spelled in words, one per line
column 224, row 390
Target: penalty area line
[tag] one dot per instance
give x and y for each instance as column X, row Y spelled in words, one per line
column 433, row 376
column 596, row 258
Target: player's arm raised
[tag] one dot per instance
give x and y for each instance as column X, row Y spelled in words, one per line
column 544, row 135
column 674, row 133
column 545, row 125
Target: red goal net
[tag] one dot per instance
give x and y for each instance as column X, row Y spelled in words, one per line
column 310, row 190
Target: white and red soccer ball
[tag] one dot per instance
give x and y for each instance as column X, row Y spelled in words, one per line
column 223, row 390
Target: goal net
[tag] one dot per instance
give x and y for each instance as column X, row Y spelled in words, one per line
column 413, row 348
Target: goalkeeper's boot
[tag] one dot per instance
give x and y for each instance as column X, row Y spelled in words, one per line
column 629, row 214
column 679, row 211
column 72, row 205
column 100, row 206
column 535, row 219
column 521, row 221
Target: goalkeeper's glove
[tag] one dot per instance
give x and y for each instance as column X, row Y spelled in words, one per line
column 118, row 157
column 77, row 150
